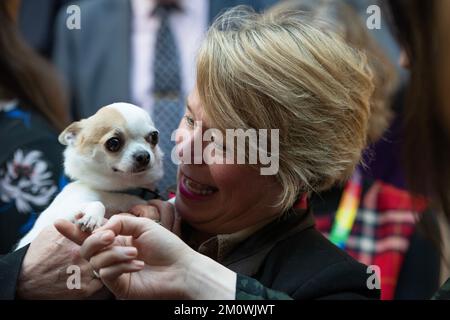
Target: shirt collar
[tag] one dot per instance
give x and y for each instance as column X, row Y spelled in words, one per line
column 142, row 9
column 219, row 246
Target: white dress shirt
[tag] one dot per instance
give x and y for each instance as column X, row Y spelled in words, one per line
column 189, row 27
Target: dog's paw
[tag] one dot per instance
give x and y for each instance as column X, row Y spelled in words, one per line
column 89, row 223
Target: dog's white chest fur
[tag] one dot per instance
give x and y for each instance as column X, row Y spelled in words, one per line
column 78, row 198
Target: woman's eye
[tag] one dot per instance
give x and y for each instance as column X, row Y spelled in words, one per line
column 190, row 122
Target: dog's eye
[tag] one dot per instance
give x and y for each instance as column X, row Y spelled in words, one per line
column 153, row 138
column 113, row 144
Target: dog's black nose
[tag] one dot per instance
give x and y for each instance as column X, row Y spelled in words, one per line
column 142, row 158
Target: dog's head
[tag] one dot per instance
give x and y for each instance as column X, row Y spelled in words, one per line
column 115, row 149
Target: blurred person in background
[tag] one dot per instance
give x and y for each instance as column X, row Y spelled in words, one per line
column 383, row 35
column 32, row 111
column 385, row 157
column 36, row 22
column 422, row 28
column 384, row 231
column 137, row 51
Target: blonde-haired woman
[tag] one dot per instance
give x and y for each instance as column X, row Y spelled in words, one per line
column 254, row 71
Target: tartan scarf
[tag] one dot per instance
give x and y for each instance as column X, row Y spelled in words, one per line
column 385, row 222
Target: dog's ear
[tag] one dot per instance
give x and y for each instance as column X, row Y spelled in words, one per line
column 68, row 136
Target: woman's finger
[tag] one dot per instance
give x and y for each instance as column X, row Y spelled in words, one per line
column 112, row 256
column 145, row 211
column 96, row 242
column 117, row 278
column 111, row 273
column 166, row 212
column 128, row 226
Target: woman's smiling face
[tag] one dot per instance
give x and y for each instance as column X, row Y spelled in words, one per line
column 219, row 198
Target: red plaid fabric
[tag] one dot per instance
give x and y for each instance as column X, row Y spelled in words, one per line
column 382, row 230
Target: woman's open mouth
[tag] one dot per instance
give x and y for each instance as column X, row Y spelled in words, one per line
column 194, row 190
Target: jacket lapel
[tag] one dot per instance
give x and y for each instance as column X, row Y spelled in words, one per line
column 247, row 257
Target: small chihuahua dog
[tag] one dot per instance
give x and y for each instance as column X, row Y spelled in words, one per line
column 107, row 156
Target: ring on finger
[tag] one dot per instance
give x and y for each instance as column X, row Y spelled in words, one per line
column 96, row 275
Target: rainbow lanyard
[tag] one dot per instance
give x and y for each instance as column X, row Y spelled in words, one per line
column 346, row 213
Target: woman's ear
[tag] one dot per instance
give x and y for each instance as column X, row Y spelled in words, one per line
column 69, row 135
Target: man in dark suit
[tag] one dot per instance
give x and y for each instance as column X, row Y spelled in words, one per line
column 36, row 22
column 97, row 60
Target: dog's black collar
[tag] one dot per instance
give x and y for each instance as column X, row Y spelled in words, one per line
column 144, row 194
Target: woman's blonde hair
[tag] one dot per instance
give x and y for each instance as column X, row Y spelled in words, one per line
column 339, row 16
column 276, row 71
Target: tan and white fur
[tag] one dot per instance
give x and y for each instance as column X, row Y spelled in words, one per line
column 114, row 150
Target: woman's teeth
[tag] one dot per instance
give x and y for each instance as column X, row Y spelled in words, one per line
column 197, row 188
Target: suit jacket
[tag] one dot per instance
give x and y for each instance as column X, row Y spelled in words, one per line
column 10, row 266
column 36, row 21
column 96, row 59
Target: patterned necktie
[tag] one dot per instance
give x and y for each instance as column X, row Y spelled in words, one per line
column 168, row 102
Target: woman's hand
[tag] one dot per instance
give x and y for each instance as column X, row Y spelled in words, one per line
column 45, row 274
column 141, row 267
column 153, row 263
